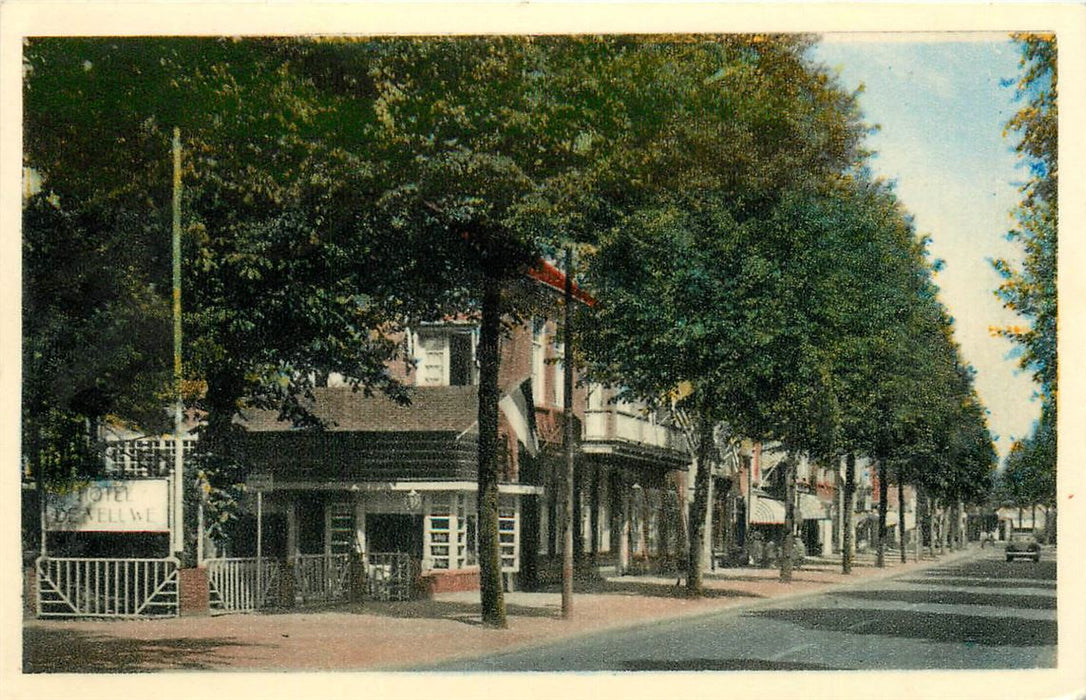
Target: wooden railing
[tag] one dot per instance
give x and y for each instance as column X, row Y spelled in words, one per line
column 236, row 587
column 614, row 424
column 321, row 578
column 389, row 576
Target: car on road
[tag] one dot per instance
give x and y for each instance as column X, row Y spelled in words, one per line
column 1023, row 544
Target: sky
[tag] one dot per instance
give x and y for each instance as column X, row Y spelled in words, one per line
column 941, row 104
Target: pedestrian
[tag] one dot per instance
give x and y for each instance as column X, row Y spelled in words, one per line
column 757, row 549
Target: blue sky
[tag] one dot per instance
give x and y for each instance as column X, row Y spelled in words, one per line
column 941, row 106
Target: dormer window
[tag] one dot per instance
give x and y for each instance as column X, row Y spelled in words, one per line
column 445, row 356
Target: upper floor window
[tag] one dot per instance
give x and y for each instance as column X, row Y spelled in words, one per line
column 445, row 356
column 548, row 377
column 539, row 366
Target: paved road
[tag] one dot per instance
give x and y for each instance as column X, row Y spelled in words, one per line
column 981, row 613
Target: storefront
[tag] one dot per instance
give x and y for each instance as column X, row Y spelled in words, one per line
column 431, row 525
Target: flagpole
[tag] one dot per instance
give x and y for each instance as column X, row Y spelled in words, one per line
column 178, row 543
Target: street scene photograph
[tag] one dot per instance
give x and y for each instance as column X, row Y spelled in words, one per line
column 598, row 354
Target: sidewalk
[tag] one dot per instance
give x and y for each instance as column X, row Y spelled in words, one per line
column 387, row 636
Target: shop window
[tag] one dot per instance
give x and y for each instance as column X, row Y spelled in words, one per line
column 508, row 535
column 438, row 530
column 466, row 534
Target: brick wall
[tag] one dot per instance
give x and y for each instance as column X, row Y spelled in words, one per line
column 450, row 581
column 195, row 592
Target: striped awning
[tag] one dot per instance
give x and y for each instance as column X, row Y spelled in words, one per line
column 767, row 511
column 892, row 519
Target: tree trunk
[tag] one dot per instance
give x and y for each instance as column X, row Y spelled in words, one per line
column 578, row 519
column 696, row 524
column 956, row 527
column 490, row 575
column 934, row 515
column 682, row 535
column 789, row 517
column 901, row 516
column 729, row 515
column 959, row 542
column 880, row 557
column 847, row 514
column 942, row 527
column 929, row 523
column 594, row 517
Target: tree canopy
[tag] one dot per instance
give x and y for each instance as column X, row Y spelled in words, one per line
column 338, row 189
column 1029, row 289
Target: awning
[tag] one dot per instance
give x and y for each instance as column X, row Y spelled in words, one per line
column 892, row 519
column 767, row 511
column 811, row 508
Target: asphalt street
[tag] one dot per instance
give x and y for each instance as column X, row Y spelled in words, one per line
column 980, row 613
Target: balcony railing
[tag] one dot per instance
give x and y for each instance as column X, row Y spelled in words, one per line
column 607, row 425
column 144, row 457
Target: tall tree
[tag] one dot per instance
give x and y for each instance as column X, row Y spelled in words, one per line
column 1029, row 289
column 696, row 279
column 482, row 150
column 286, row 275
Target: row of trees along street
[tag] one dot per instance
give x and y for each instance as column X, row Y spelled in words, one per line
column 715, row 189
column 1028, row 478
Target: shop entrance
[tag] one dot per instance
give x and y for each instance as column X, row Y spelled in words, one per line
column 394, row 532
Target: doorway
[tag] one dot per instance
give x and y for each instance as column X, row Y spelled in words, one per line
column 394, row 532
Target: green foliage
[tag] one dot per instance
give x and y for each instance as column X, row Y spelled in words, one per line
column 337, row 189
column 287, row 276
column 1030, row 290
column 797, row 290
column 95, row 333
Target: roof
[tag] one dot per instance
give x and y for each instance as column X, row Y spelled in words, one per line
column 550, row 276
column 437, row 409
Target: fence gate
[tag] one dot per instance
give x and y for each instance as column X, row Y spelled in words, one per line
column 235, row 586
column 321, row 578
column 84, row 587
column 389, row 576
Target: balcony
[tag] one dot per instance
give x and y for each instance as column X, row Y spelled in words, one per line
column 627, row 432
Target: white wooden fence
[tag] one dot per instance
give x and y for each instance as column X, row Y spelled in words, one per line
column 318, row 578
column 235, row 587
column 85, row 587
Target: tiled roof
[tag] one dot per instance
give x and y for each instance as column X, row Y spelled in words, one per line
column 549, row 275
column 439, row 409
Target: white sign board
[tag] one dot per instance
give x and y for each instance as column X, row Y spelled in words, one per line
column 137, row 505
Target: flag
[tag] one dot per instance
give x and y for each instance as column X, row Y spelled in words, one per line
column 519, row 410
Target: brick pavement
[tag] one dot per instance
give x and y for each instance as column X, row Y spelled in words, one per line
column 387, row 636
